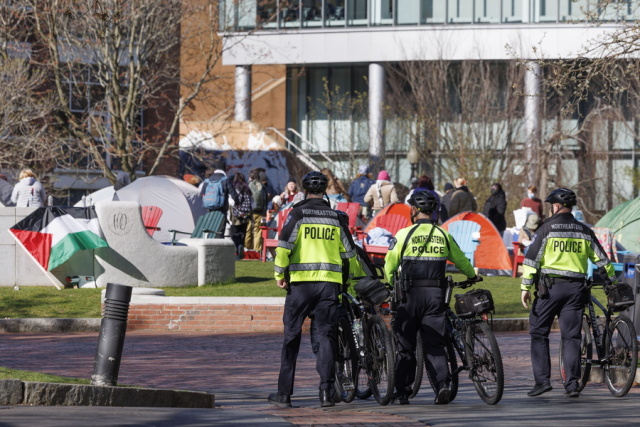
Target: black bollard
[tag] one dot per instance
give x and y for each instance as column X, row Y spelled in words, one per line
column 111, row 339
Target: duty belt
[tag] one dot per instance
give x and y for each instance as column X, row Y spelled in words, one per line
column 426, row 283
column 565, row 279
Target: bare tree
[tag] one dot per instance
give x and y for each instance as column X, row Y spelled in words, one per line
column 118, row 81
column 26, row 104
column 592, row 98
column 463, row 118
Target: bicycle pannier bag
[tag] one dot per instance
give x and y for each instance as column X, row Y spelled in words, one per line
column 473, row 303
column 371, row 291
column 620, row 297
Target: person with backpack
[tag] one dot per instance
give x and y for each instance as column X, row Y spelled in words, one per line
column 253, row 237
column 215, row 193
column 241, row 213
column 28, row 192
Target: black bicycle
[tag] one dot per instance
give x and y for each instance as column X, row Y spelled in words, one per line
column 365, row 361
column 471, row 338
column 615, row 341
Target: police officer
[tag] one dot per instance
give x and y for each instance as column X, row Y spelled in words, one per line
column 556, row 263
column 421, row 252
column 312, row 250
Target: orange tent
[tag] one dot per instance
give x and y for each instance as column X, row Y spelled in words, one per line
column 398, row 208
column 481, row 241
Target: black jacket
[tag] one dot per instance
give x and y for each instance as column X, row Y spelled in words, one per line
column 495, row 208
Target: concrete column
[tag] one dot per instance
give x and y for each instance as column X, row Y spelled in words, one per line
column 243, row 93
column 532, row 80
column 376, row 116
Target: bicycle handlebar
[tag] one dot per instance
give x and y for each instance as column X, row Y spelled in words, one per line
column 464, row 284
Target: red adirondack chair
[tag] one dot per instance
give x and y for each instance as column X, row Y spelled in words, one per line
column 273, row 242
column 150, row 218
column 390, row 222
column 351, row 209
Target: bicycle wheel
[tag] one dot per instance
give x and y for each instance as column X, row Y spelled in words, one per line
column 380, row 356
column 485, row 363
column 622, row 351
column 453, row 367
column 346, row 361
column 586, row 354
column 417, row 382
column 363, row 389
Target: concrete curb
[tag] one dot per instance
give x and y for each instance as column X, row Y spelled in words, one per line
column 16, row 392
column 41, row 325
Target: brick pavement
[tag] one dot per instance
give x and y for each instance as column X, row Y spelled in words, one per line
column 240, row 369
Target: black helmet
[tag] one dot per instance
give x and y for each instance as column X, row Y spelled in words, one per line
column 315, row 182
column 424, row 200
column 564, row 196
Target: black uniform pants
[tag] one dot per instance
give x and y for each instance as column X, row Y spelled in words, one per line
column 423, row 311
column 321, row 298
column 565, row 300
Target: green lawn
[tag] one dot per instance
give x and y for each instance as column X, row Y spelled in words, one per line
column 6, row 373
column 253, row 279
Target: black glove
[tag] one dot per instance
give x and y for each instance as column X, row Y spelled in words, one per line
column 476, row 278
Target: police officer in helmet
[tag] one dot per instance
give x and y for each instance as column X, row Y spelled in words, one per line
column 419, row 255
column 556, row 264
column 314, row 246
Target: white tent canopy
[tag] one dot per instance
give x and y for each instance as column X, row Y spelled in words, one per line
column 180, row 202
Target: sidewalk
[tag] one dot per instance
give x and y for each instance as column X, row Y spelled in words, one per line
column 242, row 369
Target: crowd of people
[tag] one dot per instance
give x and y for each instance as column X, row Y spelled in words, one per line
column 315, row 256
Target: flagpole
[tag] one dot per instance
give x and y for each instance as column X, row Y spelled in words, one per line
column 53, row 279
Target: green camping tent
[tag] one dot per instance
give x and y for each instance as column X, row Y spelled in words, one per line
column 624, row 222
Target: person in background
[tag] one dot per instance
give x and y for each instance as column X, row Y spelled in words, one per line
column 229, row 191
column 446, row 197
column 382, row 193
column 525, row 237
column 532, row 202
column 122, row 180
column 425, row 184
column 462, row 200
column 359, row 188
column 291, row 193
column 241, row 213
column 253, row 238
column 28, row 192
column 335, row 186
column 495, row 207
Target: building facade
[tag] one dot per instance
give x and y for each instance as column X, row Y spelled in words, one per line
column 343, row 99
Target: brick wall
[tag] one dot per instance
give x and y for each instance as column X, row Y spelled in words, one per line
column 206, row 314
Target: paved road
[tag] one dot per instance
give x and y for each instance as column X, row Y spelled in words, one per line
column 241, row 370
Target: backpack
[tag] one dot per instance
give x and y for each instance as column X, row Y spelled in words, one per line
column 244, row 208
column 214, row 196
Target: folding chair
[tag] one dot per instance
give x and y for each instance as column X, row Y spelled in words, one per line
column 518, row 257
column 206, row 228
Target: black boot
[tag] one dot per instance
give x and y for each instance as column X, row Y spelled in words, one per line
column 326, row 398
column 281, row 400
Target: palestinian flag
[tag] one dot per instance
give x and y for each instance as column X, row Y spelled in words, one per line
column 53, row 235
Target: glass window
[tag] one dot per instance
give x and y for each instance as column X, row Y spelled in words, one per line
column 512, row 10
column 433, row 11
column 335, row 13
column 548, row 11
column 460, row 11
column 571, row 10
column 290, row 13
column 357, row 12
column 311, row 13
column 487, row 11
column 409, row 12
